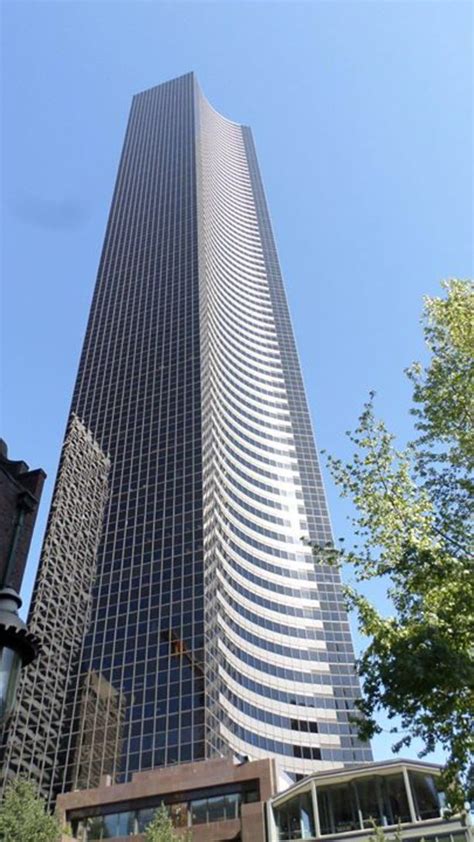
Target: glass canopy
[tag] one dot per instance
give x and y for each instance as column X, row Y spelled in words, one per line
column 388, row 799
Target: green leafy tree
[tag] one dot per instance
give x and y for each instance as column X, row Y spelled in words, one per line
column 23, row 816
column 161, row 828
column 413, row 529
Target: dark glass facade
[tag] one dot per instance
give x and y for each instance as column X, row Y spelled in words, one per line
column 211, row 628
column 138, row 389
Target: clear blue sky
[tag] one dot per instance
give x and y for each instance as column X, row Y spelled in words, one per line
column 362, row 116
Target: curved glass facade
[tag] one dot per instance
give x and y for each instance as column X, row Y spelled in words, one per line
column 276, row 635
column 211, row 630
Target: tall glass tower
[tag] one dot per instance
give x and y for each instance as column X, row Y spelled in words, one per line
column 195, row 622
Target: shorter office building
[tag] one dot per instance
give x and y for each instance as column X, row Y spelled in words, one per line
column 215, row 799
column 218, row 800
column 402, row 797
column 20, row 494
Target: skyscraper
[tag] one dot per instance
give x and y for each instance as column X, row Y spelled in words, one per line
column 200, row 624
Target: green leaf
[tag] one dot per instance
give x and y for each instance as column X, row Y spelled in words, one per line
column 23, row 816
column 413, row 514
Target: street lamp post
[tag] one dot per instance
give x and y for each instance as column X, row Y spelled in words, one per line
column 18, row 648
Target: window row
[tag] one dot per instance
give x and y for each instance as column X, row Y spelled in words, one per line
column 216, row 808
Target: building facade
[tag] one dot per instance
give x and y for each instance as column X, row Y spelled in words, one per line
column 213, row 800
column 60, row 612
column 20, row 493
column 218, row 800
column 212, row 631
column 403, row 798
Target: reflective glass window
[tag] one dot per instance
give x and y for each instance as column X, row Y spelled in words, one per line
column 344, row 808
column 216, row 808
column 306, row 816
column 395, row 800
column 232, row 804
column 324, row 810
column 144, row 818
column 295, row 819
column 199, row 811
column 369, row 803
column 125, row 824
column 425, row 796
column 109, row 826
